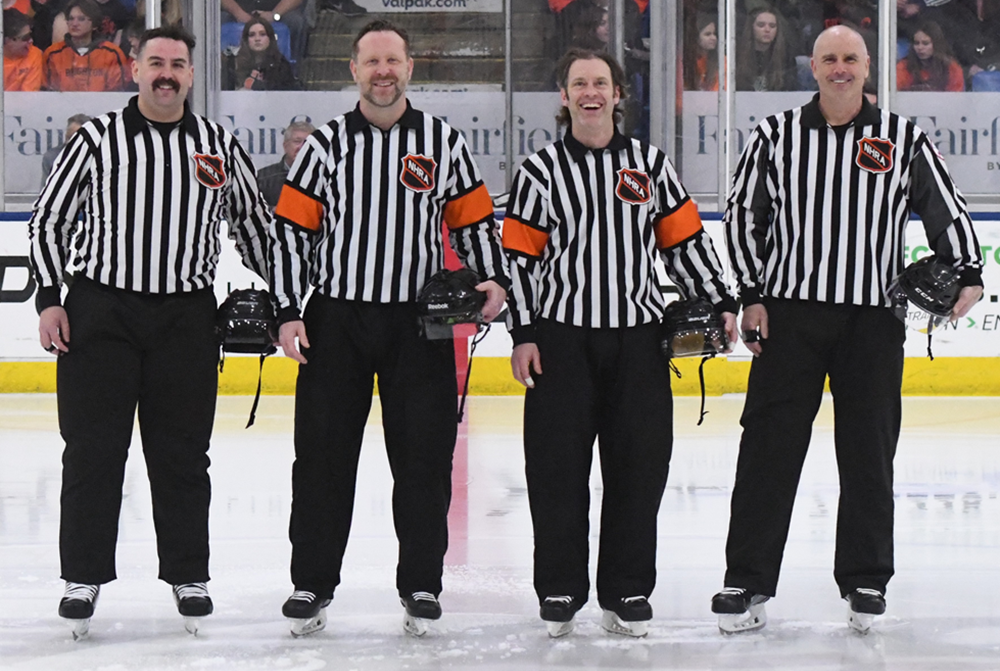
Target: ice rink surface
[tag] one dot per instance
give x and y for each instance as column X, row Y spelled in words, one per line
column 943, row 604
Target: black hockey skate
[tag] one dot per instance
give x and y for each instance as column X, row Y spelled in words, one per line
column 558, row 613
column 306, row 611
column 193, row 603
column 865, row 604
column 77, row 607
column 739, row 610
column 421, row 608
column 629, row 616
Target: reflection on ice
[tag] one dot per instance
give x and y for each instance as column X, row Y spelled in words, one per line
column 942, row 607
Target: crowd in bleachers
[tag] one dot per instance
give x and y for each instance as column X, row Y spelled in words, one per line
column 943, row 45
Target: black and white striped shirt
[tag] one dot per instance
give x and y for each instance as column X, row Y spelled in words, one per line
column 360, row 214
column 819, row 213
column 582, row 230
column 136, row 205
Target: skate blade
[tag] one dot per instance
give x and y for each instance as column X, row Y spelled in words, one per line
column 860, row 622
column 615, row 625
column 192, row 624
column 559, row 629
column 306, row 626
column 754, row 618
column 79, row 628
column 415, row 626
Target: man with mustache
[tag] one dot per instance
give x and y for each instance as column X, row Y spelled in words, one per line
column 129, row 220
column 360, row 219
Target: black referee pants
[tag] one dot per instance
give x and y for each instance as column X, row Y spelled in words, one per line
column 861, row 349
column 351, row 342
column 613, row 385
column 157, row 352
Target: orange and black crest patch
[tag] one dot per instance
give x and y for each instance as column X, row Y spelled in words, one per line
column 875, row 154
column 633, row 186
column 210, row 170
column 418, row 172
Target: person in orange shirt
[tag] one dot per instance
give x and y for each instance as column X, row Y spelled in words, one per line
column 22, row 61
column 701, row 63
column 929, row 66
column 83, row 61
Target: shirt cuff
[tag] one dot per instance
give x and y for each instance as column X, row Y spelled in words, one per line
column 523, row 334
column 727, row 304
column 970, row 277
column 750, row 296
column 47, row 297
column 288, row 314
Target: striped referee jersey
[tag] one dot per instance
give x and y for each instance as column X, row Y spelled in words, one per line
column 360, row 214
column 136, row 205
column 819, row 213
column 582, row 230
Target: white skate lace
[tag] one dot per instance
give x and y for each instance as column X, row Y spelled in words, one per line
column 559, row 599
column 423, row 596
column 868, row 592
column 191, row 590
column 302, row 595
column 80, row 592
column 633, row 599
column 733, row 591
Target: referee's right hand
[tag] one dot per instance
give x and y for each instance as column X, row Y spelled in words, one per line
column 288, row 334
column 53, row 329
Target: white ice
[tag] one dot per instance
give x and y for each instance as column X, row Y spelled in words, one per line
column 944, row 611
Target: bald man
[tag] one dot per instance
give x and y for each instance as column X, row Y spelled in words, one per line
column 815, row 227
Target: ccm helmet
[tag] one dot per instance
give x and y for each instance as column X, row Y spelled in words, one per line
column 923, row 295
column 691, row 327
column 449, row 298
column 245, row 323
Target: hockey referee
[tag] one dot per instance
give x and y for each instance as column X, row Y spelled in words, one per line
column 586, row 219
column 129, row 220
column 815, row 228
column 360, row 220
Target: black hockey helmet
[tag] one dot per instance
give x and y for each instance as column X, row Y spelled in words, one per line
column 924, row 294
column 449, row 298
column 692, row 327
column 245, row 323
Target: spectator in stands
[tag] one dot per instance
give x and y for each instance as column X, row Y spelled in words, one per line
column 701, row 60
column 22, row 61
column 289, row 12
column 44, row 13
column 929, row 66
column 49, row 158
column 171, row 12
column 271, row 178
column 114, row 20
column 591, row 29
column 84, row 61
column 257, row 65
column 763, row 61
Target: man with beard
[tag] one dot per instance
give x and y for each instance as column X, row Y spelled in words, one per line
column 130, row 221
column 360, row 219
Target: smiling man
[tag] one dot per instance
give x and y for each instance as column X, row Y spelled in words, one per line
column 586, row 220
column 815, row 228
column 130, row 221
column 360, row 219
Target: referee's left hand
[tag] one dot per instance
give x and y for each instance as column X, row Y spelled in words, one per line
column 53, row 329
column 495, row 297
column 967, row 297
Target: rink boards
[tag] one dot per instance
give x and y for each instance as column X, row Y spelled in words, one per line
column 967, row 354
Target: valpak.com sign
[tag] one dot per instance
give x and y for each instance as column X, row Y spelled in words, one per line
column 383, row 6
